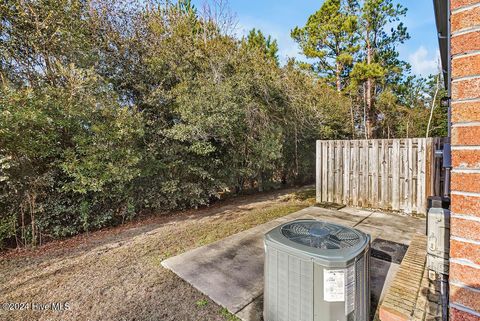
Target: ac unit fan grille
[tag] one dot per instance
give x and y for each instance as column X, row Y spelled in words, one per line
column 321, row 235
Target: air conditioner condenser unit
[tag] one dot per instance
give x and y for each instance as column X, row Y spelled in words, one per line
column 316, row 271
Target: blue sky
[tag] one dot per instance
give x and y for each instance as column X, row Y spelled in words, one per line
column 278, row 17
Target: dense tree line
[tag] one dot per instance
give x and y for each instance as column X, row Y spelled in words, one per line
column 111, row 108
column 353, row 45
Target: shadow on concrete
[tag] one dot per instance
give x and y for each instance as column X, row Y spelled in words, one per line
column 388, row 250
column 381, row 275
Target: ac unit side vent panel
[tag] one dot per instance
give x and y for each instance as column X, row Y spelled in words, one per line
column 290, row 287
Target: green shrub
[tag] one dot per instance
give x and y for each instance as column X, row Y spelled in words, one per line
column 112, row 109
column 7, row 229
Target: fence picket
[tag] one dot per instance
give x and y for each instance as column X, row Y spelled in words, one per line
column 324, row 171
column 346, row 172
column 354, row 155
column 338, row 172
column 410, row 176
column 395, row 174
column 318, row 173
column 384, row 173
column 331, row 175
column 420, row 175
column 365, row 188
column 396, row 162
column 375, row 169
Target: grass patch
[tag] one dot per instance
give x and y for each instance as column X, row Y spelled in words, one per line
column 216, row 230
column 182, row 238
column 199, row 234
column 201, row 303
column 138, row 255
column 227, row 315
column 308, row 195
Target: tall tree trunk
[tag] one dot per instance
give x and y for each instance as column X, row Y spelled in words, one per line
column 31, row 205
column 260, row 181
column 365, row 128
column 352, row 118
column 296, row 152
column 369, row 95
column 369, row 109
column 23, row 234
column 338, row 71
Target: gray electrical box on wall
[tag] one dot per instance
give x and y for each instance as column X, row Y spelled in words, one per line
column 316, row 271
column 438, row 239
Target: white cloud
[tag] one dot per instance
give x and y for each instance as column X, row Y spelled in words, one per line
column 424, row 62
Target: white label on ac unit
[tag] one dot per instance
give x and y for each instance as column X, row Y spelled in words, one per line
column 334, row 285
column 350, row 290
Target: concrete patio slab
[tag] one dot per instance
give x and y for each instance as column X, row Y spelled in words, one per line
column 393, row 227
column 230, row 271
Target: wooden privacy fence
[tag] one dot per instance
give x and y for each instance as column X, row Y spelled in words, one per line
column 393, row 174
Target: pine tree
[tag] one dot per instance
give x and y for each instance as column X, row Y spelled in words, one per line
column 380, row 32
column 257, row 40
column 329, row 36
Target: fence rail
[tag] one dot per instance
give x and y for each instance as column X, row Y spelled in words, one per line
column 393, row 174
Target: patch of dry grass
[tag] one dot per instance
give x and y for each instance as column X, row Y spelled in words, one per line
column 122, row 279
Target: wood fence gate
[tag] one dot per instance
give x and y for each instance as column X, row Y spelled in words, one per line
column 392, row 174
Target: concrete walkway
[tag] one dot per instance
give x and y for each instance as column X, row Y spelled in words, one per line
column 230, row 271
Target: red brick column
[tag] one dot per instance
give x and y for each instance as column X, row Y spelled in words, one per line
column 465, row 180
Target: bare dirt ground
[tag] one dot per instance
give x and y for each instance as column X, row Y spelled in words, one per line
column 115, row 274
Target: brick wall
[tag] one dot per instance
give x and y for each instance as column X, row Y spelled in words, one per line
column 465, row 180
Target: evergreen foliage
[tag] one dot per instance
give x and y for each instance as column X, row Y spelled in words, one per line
column 354, row 44
column 111, row 108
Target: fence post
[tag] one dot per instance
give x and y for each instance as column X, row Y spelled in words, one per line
column 318, row 172
column 324, row 170
column 396, row 175
column 384, row 174
column 429, row 160
column 346, row 172
column 355, row 173
column 374, row 163
column 421, row 188
column 331, row 175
